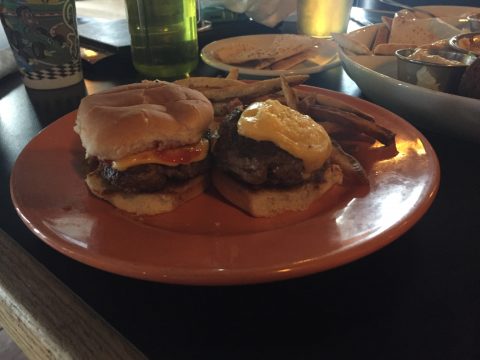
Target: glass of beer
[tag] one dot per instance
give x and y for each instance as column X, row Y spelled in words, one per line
column 320, row 18
column 163, row 36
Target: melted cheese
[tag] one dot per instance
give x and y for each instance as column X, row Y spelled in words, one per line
column 290, row 130
column 170, row 157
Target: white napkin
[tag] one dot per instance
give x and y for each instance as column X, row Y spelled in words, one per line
column 7, row 62
column 266, row 12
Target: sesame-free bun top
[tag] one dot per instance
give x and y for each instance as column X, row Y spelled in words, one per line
column 132, row 118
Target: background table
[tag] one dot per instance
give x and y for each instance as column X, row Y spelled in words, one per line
column 416, row 298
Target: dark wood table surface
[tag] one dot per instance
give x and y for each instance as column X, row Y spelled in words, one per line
column 417, row 298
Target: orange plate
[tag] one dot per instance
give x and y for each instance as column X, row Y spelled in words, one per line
column 207, row 241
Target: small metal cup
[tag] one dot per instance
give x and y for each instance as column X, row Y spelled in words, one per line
column 440, row 77
column 466, row 43
column 474, row 22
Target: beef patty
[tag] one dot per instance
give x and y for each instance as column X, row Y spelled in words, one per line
column 257, row 162
column 149, row 178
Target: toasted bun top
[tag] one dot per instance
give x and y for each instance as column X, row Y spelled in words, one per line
column 132, row 118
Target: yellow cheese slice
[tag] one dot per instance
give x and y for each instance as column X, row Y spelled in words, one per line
column 296, row 133
column 170, row 157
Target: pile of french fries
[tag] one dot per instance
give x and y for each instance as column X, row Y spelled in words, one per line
column 342, row 121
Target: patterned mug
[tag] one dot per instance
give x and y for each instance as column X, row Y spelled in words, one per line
column 44, row 40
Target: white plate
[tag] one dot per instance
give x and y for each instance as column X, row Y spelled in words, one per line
column 327, row 57
column 376, row 77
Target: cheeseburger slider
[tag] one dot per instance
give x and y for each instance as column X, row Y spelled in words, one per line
column 147, row 145
column 270, row 159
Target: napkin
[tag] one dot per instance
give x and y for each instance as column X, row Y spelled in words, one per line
column 7, row 62
column 266, row 12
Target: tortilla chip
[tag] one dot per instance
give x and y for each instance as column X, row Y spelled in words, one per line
column 285, row 46
column 390, row 48
column 281, row 47
column 381, row 37
column 349, row 44
column 409, row 28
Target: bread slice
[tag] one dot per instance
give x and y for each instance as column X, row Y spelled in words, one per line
column 409, row 28
column 148, row 203
column 270, row 202
column 281, row 47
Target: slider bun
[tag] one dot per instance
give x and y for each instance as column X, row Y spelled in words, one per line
column 149, row 203
column 268, row 202
column 132, row 118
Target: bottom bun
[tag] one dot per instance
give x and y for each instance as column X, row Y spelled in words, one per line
column 148, row 203
column 270, row 202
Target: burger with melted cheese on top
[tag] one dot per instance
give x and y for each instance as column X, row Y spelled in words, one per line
column 270, row 159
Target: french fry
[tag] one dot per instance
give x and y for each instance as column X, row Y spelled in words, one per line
column 305, row 102
column 351, row 138
column 252, row 90
column 335, row 103
column 332, row 128
column 322, row 113
column 232, row 74
column 204, row 82
column 345, row 134
column 329, row 101
column 290, row 96
column 350, row 166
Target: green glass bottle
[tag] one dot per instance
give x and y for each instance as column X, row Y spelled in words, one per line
column 163, row 37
